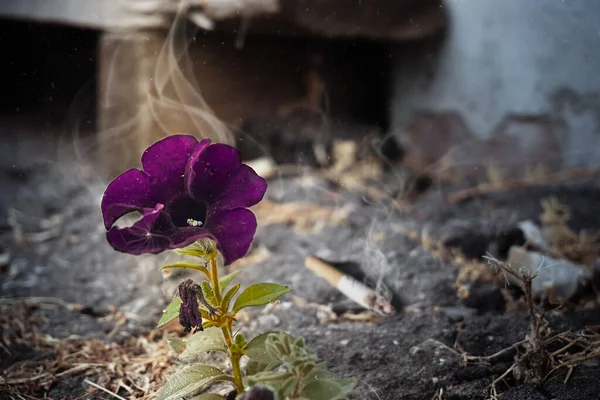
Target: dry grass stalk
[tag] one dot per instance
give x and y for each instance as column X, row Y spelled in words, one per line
column 537, row 362
column 469, row 270
column 582, row 248
column 513, row 184
column 439, row 394
column 494, row 174
column 532, row 366
column 133, row 369
column 303, row 217
column 348, row 171
column 536, row 173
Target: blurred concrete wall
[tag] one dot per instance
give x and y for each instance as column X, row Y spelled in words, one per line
column 526, row 70
column 88, row 13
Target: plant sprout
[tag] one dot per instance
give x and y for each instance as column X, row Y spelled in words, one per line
column 194, row 197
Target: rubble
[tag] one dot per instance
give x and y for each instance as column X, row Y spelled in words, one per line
column 553, row 277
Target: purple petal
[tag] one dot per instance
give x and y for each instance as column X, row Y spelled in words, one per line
column 165, row 162
column 244, row 189
column 198, row 149
column 211, row 168
column 154, row 233
column 143, row 237
column 233, row 231
column 128, row 192
column 181, row 237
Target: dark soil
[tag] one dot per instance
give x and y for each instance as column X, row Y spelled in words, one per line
column 53, row 229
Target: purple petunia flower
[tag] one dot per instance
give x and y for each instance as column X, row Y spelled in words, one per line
column 187, row 190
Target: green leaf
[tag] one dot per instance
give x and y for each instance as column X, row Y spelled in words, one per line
column 202, row 248
column 208, row 293
column 178, row 345
column 187, row 265
column 260, row 360
column 228, row 296
column 287, row 387
column 209, row 324
column 322, row 390
column 190, row 380
column 347, row 385
column 240, row 340
column 224, row 281
column 259, row 295
column 269, row 378
column 207, row 396
column 254, row 367
column 320, row 374
column 211, row 339
column 255, row 349
column 170, row 313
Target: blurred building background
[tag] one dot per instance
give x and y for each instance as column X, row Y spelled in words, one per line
column 464, row 86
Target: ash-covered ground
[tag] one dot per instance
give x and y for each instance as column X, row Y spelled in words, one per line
column 74, row 311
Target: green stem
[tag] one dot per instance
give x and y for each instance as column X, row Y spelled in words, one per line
column 214, row 273
column 235, row 358
column 237, row 373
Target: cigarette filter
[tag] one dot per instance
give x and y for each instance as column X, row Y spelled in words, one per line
column 350, row 287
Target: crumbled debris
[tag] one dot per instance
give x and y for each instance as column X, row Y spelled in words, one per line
column 554, row 278
column 534, row 236
column 582, row 247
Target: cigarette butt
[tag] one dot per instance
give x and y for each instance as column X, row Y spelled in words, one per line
column 324, row 270
column 350, row 287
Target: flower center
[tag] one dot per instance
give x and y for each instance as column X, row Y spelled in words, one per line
column 185, row 211
column 193, row 222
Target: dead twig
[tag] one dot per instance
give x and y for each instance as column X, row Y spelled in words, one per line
column 479, row 359
column 491, row 357
column 534, row 362
column 512, row 184
column 500, row 379
column 537, row 363
column 42, row 301
column 105, row 390
column 438, row 394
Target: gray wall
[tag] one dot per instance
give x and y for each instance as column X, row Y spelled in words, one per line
column 502, row 57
